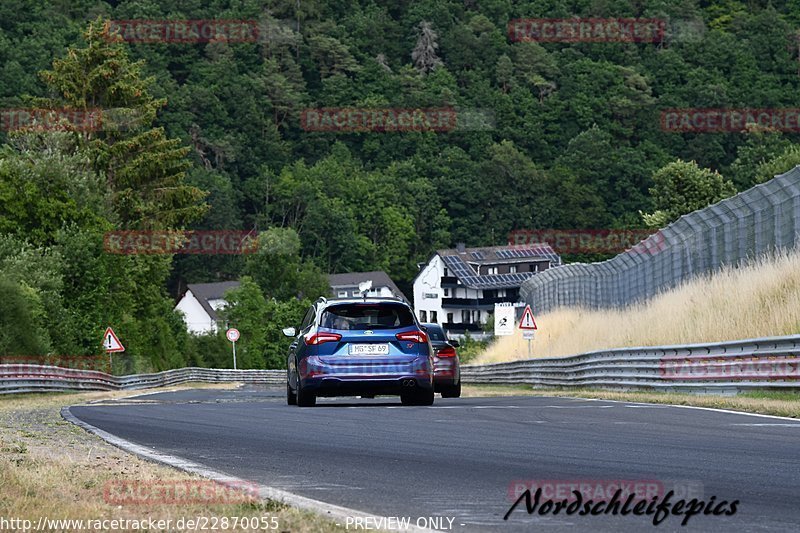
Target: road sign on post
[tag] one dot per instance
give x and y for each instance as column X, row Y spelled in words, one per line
column 233, row 335
column 527, row 324
column 503, row 319
column 111, row 344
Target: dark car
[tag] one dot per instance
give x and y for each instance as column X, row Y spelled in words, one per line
column 359, row 347
column 446, row 365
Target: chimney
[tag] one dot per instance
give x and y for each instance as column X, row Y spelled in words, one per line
column 461, row 248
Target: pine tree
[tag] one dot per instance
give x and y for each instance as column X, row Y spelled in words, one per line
column 143, row 168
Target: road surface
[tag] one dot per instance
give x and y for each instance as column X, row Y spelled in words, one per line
column 462, row 458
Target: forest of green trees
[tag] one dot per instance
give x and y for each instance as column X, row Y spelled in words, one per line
column 575, row 142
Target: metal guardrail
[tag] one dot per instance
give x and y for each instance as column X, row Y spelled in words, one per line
column 772, row 362
column 40, row 378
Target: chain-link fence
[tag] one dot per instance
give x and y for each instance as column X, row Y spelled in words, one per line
column 757, row 221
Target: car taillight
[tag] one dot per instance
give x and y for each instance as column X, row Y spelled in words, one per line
column 322, row 337
column 413, row 336
column 447, row 351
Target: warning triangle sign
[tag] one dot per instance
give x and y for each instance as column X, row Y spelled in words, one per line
column 527, row 321
column 111, row 342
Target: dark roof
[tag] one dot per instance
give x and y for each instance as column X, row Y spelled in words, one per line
column 462, row 262
column 352, row 279
column 507, row 254
column 211, row 291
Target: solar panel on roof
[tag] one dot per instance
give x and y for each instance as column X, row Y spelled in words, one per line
column 457, row 266
column 477, row 255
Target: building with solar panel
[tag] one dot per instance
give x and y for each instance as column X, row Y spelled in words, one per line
column 458, row 288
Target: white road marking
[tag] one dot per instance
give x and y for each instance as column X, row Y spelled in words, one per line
column 713, row 409
column 795, row 425
column 579, row 406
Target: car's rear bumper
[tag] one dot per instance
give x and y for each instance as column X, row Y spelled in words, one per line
column 440, row 383
column 353, row 386
column 446, row 372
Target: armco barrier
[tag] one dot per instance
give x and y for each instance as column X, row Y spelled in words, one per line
column 39, row 378
column 772, row 362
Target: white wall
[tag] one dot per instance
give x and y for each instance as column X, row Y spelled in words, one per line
column 196, row 318
column 428, row 282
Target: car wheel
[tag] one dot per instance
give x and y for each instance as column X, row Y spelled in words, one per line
column 291, row 397
column 304, row 397
column 419, row 397
column 452, row 391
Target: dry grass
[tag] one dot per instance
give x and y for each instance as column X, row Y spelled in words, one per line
column 49, row 467
column 757, row 300
column 761, row 403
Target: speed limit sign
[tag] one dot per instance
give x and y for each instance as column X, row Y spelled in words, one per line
column 233, row 335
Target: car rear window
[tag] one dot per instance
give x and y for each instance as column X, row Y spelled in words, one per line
column 366, row 316
column 436, row 334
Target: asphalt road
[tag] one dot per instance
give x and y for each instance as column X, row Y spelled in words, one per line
column 461, row 458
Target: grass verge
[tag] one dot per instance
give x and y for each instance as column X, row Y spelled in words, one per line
column 51, row 468
column 758, row 299
column 761, row 402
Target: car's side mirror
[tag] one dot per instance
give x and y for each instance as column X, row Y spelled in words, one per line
column 290, row 332
column 453, row 343
column 424, row 328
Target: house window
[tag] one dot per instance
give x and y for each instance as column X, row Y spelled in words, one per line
column 434, row 317
column 447, row 293
column 342, row 294
column 356, row 293
column 449, row 318
column 512, row 269
column 423, row 316
column 491, row 270
column 465, row 317
column 446, row 272
column 532, row 268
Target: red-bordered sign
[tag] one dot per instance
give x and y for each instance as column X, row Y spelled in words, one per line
column 527, row 321
column 111, row 342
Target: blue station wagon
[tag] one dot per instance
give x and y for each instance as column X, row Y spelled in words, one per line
column 359, row 347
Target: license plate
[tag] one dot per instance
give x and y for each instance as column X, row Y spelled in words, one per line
column 368, row 349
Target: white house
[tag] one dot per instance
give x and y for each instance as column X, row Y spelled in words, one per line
column 200, row 304
column 458, row 288
column 346, row 285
